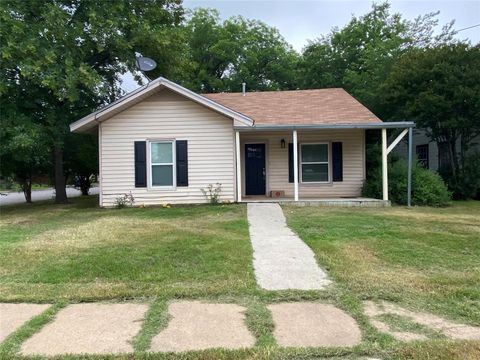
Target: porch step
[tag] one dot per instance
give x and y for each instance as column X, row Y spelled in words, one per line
column 374, row 203
column 340, row 202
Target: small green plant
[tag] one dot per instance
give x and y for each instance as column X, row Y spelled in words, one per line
column 126, row 200
column 212, row 193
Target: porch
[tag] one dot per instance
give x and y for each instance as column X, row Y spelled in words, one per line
column 341, row 202
column 320, row 165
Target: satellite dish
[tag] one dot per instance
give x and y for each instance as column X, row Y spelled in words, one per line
column 146, row 64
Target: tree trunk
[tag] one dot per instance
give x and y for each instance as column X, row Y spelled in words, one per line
column 60, row 191
column 84, row 184
column 27, row 190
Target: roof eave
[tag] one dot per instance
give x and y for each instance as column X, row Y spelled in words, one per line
column 379, row 125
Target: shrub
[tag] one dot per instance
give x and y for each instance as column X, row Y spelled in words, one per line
column 212, row 193
column 466, row 184
column 428, row 188
column 124, row 201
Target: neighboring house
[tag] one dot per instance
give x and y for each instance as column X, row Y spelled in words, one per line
column 164, row 144
column 431, row 155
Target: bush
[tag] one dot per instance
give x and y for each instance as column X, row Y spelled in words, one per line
column 428, row 188
column 212, row 193
column 466, row 184
column 126, row 200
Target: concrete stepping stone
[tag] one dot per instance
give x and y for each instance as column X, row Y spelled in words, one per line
column 448, row 328
column 281, row 260
column 197, row 326
column 306, row 324
column 12, row 316
column 88, row 329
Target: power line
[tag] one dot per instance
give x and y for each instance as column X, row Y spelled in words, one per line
column 470, row 27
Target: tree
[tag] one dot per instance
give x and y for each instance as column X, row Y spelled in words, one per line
column 222, row 55
column 69, row 50
column 360, row 56
column 81, row 160
column 439, row 88
column 23, row 153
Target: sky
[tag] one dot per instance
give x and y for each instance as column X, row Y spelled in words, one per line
column 302, row 20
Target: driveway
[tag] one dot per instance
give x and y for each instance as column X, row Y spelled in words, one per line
column 38, row 195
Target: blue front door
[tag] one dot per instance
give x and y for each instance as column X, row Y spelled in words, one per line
column 255, row 169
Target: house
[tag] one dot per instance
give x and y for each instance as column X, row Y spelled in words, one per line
column 430, row 154
column 164, row 144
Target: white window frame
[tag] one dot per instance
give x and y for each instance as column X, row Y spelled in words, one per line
column 173, row 164
column 328, row 162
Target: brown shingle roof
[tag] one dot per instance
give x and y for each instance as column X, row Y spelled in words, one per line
column 320, row 106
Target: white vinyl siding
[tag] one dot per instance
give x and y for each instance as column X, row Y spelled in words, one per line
column 353, row 141
column 166, row 115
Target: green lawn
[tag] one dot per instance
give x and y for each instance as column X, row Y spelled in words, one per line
column 80, row 252
column 423, row 259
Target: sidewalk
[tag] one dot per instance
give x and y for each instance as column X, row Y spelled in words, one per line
column 281, row 260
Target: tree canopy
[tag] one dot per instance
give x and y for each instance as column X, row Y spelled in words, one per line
column 64, row 58
column 359, row 56
column 220, row 55
column 439, row 88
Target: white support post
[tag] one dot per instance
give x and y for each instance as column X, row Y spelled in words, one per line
column 238, row 166
column 295, row 164
column 409, row 175
column 384, row 165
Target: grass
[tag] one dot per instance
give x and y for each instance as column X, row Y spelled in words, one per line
column 155, row 320
column 79, row 252
column 403, row 324
column 424, row 259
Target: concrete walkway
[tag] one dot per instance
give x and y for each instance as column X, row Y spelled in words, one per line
column 110, row 328
column 281, row 259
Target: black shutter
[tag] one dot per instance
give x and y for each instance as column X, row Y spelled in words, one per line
column 140, row 164
column 290, row 163
column 337, row 161
column 182, row 163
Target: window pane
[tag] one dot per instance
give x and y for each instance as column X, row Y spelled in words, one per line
column 315, row 153
column 162, row 175
column 314, row 172
column 162, row 153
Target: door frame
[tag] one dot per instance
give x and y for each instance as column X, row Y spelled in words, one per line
column 244, row 167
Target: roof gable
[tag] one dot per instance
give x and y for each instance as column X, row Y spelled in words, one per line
column 90, row 121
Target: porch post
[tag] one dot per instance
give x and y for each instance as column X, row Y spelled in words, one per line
column 295, row 164
column 384, row 165
column 409, row 179
column 238, row 166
